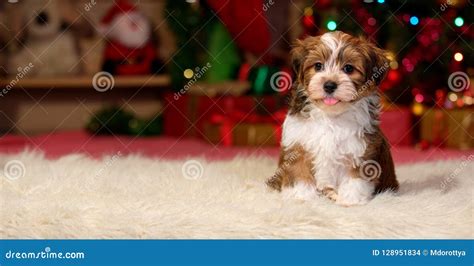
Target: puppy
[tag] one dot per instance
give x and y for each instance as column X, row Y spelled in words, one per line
column 331, row 143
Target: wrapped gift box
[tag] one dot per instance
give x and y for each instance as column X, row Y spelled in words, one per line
column 187, row 115
column 244, row 134
column 448, row 128
column 245, row 129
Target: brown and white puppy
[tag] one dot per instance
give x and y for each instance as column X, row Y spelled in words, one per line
column 331, row 143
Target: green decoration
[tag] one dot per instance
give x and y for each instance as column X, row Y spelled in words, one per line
column 260, row 78
column 190, row 24
column 116, row 121
column 223, row 55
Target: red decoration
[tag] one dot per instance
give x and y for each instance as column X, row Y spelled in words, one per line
column 393, row 78
column 308, row 21
column 323, row 4
column 188, row 114
column 120, row 7
column 244, row 72
column 254, row 37
column 129, row 50
column 440, row 97
column 424, row 145
column 138, row 61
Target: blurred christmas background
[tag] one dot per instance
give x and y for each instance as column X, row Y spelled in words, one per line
column 219, row 72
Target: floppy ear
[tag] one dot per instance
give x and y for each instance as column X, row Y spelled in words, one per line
column 378, row 64
column 381, row 64
column 298, row 53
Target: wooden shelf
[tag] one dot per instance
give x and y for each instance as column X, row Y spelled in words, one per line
column 234, row 88
column 158, row 81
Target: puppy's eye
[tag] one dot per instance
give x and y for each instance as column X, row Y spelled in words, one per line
column 348, row 69
column 318, row 66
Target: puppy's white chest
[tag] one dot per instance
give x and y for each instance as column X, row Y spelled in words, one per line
column 336, row 145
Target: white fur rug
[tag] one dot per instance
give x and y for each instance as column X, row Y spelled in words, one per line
column 136, row 197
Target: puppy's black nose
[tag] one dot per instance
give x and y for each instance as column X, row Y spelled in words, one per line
column 42, row 18
column 329, row 86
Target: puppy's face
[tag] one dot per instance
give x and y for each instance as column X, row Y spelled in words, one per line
column 335, row 70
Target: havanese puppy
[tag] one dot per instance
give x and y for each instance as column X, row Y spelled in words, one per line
column 331, row 143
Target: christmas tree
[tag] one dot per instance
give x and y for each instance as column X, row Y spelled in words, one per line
column 427, row 41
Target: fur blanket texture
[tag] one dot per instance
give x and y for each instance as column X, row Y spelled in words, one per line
column 136, row 197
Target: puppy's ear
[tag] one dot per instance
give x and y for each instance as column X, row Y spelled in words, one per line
column 378, row 64
column 298, row 53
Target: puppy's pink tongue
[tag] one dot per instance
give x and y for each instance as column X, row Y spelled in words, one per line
column 330, row 101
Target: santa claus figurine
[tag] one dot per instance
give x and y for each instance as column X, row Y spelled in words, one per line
column 130, row 50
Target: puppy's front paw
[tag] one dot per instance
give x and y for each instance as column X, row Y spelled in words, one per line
column 329, row 193
column 354, row 191
column 351, row 201
column 300, row 191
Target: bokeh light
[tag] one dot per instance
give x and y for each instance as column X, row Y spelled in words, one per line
column 188, row 73
column 332, row 25
column 372, row 21
column 459, row 21
column 419, row 98
column 458, row 57
column 414, row 20
column 453, row 97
